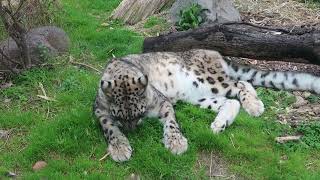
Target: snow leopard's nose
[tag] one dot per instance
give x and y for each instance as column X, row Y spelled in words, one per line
column 130, row 125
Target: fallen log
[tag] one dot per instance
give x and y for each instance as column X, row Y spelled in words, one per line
column 244, row 40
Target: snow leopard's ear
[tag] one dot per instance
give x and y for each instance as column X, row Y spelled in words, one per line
column 143, row 80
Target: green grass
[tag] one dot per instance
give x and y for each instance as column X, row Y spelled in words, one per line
column 66, row 135
column 153, row 21
column 155, row 25
column 313, row 4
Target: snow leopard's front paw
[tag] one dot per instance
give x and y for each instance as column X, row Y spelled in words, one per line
column 218, row 127
column 176, row 142
column 119, row 148
column 252, row 104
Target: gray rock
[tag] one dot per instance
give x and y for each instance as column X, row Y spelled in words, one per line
column 4, row 134
column 10, row 174
column 300, row 101
column 51, row 39
column 220, row 11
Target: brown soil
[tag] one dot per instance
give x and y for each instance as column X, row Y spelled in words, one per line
column 215, row 167
column 279, row 13
column 301, row 112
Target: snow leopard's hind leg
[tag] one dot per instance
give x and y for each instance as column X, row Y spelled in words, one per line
column 228, row 109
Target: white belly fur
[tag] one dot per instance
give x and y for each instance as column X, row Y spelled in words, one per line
column 182, row 88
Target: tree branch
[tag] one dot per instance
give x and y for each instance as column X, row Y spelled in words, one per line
column 16, row 30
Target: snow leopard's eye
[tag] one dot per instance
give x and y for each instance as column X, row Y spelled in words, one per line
column 143, row 80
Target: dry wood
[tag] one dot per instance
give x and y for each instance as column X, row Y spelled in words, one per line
column 84, row 65
column 285, row 139
column 11, row 18
column 133, row 11
column 244, row 40
column 104, row 157
column 44, row 96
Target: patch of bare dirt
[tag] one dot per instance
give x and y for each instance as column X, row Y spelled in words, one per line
column 278, row 12
column 301, row 112
column 215, row 167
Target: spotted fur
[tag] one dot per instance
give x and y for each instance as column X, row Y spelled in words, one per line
column 147, row 85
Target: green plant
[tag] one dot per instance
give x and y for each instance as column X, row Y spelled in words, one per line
column 311, row 134
column 153, row 21
column 313, row 4
column 44, row 53
column 313, row 99
column 190, row 18
column 311, row 1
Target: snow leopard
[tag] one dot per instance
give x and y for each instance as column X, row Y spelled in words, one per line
column 149, row 84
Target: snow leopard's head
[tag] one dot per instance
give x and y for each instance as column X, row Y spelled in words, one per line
column 124, row 86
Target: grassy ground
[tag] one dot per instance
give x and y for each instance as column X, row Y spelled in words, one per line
column 65, row 134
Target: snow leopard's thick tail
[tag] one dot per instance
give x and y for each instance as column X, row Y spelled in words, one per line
column 274, row 79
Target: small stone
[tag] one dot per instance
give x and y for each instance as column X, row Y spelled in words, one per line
column 316, row 109
column 4, row 134
column 105, row 24
column 134, row 177
column 296, row 93
column 311, row 113
column 10, row 174
column 306, row 94
column 254, row 62
column 295, row 68
column 39, row 165
column 300, row 101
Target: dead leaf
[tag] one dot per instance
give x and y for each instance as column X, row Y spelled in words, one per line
column 39, row 165
column 46, row 98
column 105, row 24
